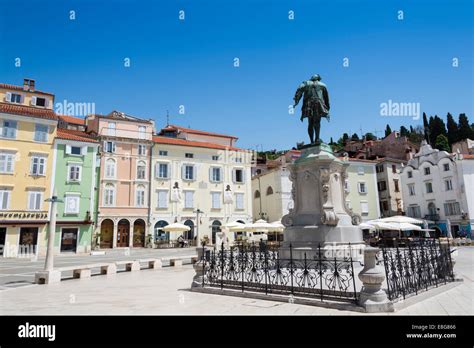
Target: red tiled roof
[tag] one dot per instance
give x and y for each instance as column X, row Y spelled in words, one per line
column 195, row 131
column 27, row 111
column 20, row 88
column 69, row 134
column 72, row 119
column 183, row 142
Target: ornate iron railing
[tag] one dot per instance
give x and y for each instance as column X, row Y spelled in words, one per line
column 257, row 268
column 422, row 264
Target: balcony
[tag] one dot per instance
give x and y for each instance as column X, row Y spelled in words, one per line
column 432, row 217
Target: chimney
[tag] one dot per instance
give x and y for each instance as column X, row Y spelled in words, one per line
column 26, row 84
column 32, row 85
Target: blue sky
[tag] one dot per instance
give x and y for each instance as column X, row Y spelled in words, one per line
column 190, row 62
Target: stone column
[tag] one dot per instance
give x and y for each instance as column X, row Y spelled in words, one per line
column 198, row 268
column 130, row 235
column 372, row 297
column 114, row 238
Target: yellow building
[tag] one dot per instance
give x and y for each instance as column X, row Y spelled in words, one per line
column 27, row 130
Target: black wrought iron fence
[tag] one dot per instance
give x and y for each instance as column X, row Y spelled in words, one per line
column 418, row 266
column 259, row 268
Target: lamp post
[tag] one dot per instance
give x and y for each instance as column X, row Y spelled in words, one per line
column 49, row 275
column 198, row 212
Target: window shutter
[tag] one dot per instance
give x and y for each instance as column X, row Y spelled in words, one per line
column 46, row 102
column 233, row 176
column 243, row 175
column 33, row 101
column 84, row 150
column 211, row 179
column 68, row 149
column 183, row 171
column 8, row 97
column 22, row 98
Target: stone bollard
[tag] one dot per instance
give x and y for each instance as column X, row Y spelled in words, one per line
column 198, row 268
column 445, row 247
column 372, row 297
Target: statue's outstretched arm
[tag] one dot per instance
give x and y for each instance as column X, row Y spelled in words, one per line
column 298, row 94
column 326, row 97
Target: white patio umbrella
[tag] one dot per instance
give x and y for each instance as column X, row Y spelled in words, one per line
column 260, row 226
column 234, row 226
column 366, row 226
column 279, row 227
column 400, row 219
column 176, row 227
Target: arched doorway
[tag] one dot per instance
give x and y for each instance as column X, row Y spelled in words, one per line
column 106, row 234
column 139, row 233
column 437, row 232
column 123, row 233
column 216, row 227
column 161, row 235
column 189, row 235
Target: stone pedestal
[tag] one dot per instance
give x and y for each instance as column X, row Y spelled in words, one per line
column 319, row 216
column 372, row 297
column 47, row 277
column 199, row 268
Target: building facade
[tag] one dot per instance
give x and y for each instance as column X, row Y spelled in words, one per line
column 389, row 186
column 76, row 186
column 437, row 187
column 199, row 179
column 28, row 128
column 123, row 198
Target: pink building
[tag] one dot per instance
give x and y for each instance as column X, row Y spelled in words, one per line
column 124, row 178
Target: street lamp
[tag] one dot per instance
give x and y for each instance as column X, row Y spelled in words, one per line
column 49, row 275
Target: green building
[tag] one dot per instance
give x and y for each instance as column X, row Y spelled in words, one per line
column 75, row 182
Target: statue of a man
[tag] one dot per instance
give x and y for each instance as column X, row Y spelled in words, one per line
column 315, row 105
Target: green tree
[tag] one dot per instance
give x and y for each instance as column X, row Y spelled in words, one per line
column 417, row 134
column 442, row 143
column 464, row 130
column 437, row 127
column 404, row 132
column 370, row 136
column 452, row 129
column 388, row 130
column 354, row 137
column 426, row 128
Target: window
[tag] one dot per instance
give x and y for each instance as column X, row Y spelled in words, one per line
column 239, row 201
column 141, row 150
column 4, row 199
column 74, row 172
column 238, row 160
column 140, row 196
column 414, row 211
column 9, row 129
column 141, row 170
column 188, row 172
column 384, row 206
column 162, row 171
column 238, row 176
column 110, row 168
column 215, row 158
column 269, row 190
column 394, row 168
column 360, row 170
column 347, row 186
column 111, row 129
column 141, row 132
column 188, row 199
column 429, row 187
column 382, row 185
column 162, row 199
column 379, row 168
column 76, row 150
column 448, row 184
column 189, row 155
column 41, row 133
column 6, row 162
column 215, row 174
column 397, row 187
column 163, row 153
column 411, row 189
column 446, row 167
column 364, row 207
column 109, row 146
column 410, row 174
column 452, row 208
column 38, row 165
column 71, row 204
column 109, row 195
column 15, row 98
column 39, row 101
column 362, row 187
column 34, row 200
column 216, row 200
column 257, row 194
column 427, row 171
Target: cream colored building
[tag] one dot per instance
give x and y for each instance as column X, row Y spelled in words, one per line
column 199, row 179
column 271, row 191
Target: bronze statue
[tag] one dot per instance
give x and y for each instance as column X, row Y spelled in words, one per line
column 315, row 105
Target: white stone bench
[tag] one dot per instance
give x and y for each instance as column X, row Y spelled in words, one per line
column 176, row 262
column 85, row 271
column 130, row 265
column 152, row 263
